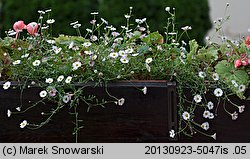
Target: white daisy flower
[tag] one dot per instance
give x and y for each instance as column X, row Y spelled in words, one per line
column 6, row 85
column 49, row 80
column 241, row 108
column 210, row 105
column 206, row 114
column 88, row 52
column 242, row 88
column 127, row 16
column 9, row 113
column 234, row 115
column 197, row 98
column 87, row 44
column 23, row 124
column 66, row 98
column 124, row 60
column 202, row 74
column 172, row 133
column 211, row 116
column 68, row 79
column 60, row 78
column 43, row 94
column 205, row 126
column 77, row 26
column 18, row 109
column 121, row 101
column 94, row 13
column 186, row 28
column 36, row 63
column 113, row 55
column 122, row 53
column 218, row 92
column 129, row 51
column 50, row 21
column 56, row 49
column 76, row 65
column 17, row 62
column 25, row 56
column 93, row 38
column 149, row 60
column 215, row 76
column 144, row 90
column 185, row 115
column 51, row 41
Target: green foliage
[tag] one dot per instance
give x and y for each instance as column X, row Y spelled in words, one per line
column 193, row 13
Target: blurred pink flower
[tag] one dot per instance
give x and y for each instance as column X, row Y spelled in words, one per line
column 237, row 63
column 32, row 28
column 18, row 27
column 247, row 41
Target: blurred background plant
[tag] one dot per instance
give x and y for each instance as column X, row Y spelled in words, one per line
column 193, row 13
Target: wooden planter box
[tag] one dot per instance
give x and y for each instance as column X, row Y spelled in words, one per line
column 142, row 118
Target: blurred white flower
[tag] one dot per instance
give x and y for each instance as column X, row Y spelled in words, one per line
column 60, row 78
column 77, row 26
column 36, row 63
column 76, row 65
column 17, row 62
column 121, row 101
column 49, row 80
column 202, row 74
column 93, row 38
column 214, row 136
column 8, row 113
column 149, row 60
column 185, row 115
column 241, row 108
column 210, row 105
column 124, row 60
column 234, row 115
column 68, row 79
column 50, row 21
column 56, row 49
column 186, row 28
column 218, row 92
column 215, row 76
column 23, row 124
column 206, row 114
column 242, row 88
column 205, row 126
column 51, row 41
column 87, row 44
column 167, row 9
column 144, row 90
column 172, row 133
column 197, row 98
column 66, row 98
column 43, row 94
column 88, row 52
column 113, row 55
column 6, row 85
